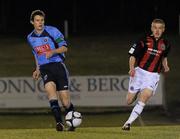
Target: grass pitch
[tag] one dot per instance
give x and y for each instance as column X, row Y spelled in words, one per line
column 149, row 132
column 94, row 126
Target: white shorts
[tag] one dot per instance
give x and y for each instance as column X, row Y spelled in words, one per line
column 143, row 79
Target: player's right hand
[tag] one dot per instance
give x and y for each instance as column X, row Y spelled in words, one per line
column 132, row 72
column 36, row 74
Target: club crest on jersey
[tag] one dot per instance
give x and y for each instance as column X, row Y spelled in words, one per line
column 148, row 43
column 163, row 47
column 45, row 40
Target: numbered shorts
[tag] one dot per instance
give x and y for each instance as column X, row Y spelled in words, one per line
column 143, row 79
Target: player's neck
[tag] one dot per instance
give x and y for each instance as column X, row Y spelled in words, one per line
column 156, row 38
column 38, row 31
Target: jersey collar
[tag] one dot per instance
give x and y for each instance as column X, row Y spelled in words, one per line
column 35, row 34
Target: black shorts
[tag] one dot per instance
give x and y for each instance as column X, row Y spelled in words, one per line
column 57, row 73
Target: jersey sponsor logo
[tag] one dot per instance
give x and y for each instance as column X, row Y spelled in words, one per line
column 154, row 52
column 42, row 49
column 163, row 47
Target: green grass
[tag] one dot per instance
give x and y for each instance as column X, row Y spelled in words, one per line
column 151, row 132
column 107, row 119
column 94, row 126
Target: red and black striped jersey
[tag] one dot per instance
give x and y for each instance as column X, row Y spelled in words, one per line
column 149, row 53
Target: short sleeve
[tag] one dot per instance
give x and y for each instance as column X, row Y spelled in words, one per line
column 58, row 37
column 136, row 49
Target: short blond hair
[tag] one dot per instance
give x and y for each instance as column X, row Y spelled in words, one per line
column 160, row 21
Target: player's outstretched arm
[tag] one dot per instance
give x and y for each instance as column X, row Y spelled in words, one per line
column 132, row 61
column 165, row 64
column 36, row 72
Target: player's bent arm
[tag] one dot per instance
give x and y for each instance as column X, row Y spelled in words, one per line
column 60, row 50
column 132, row 61
column 36, row 62
column 165, row 64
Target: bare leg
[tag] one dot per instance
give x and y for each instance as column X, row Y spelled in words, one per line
column 65, row 98
column 131, row 97
column 138, row 108
column 66, row 102
column 50, row 88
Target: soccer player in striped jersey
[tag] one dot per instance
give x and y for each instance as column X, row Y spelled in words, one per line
column 148, row 57
column 48, row 46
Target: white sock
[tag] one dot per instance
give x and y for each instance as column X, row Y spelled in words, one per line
column 138, row 108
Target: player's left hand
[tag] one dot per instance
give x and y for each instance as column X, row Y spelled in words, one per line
column 49, row 54
column 166, row 69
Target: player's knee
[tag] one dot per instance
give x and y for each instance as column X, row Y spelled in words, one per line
column 129, row 101
column 65, row 98
column 131, row 97
column 65, row 103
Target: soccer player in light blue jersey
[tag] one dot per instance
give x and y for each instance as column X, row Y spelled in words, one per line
column 48, row 46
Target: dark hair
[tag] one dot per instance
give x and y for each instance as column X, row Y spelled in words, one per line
column 36, row 12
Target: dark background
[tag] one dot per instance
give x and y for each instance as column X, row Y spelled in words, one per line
column 99, row 28
column 89, row 17
column 124, row 20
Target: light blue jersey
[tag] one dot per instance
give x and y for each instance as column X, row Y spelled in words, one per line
column 49, row 39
